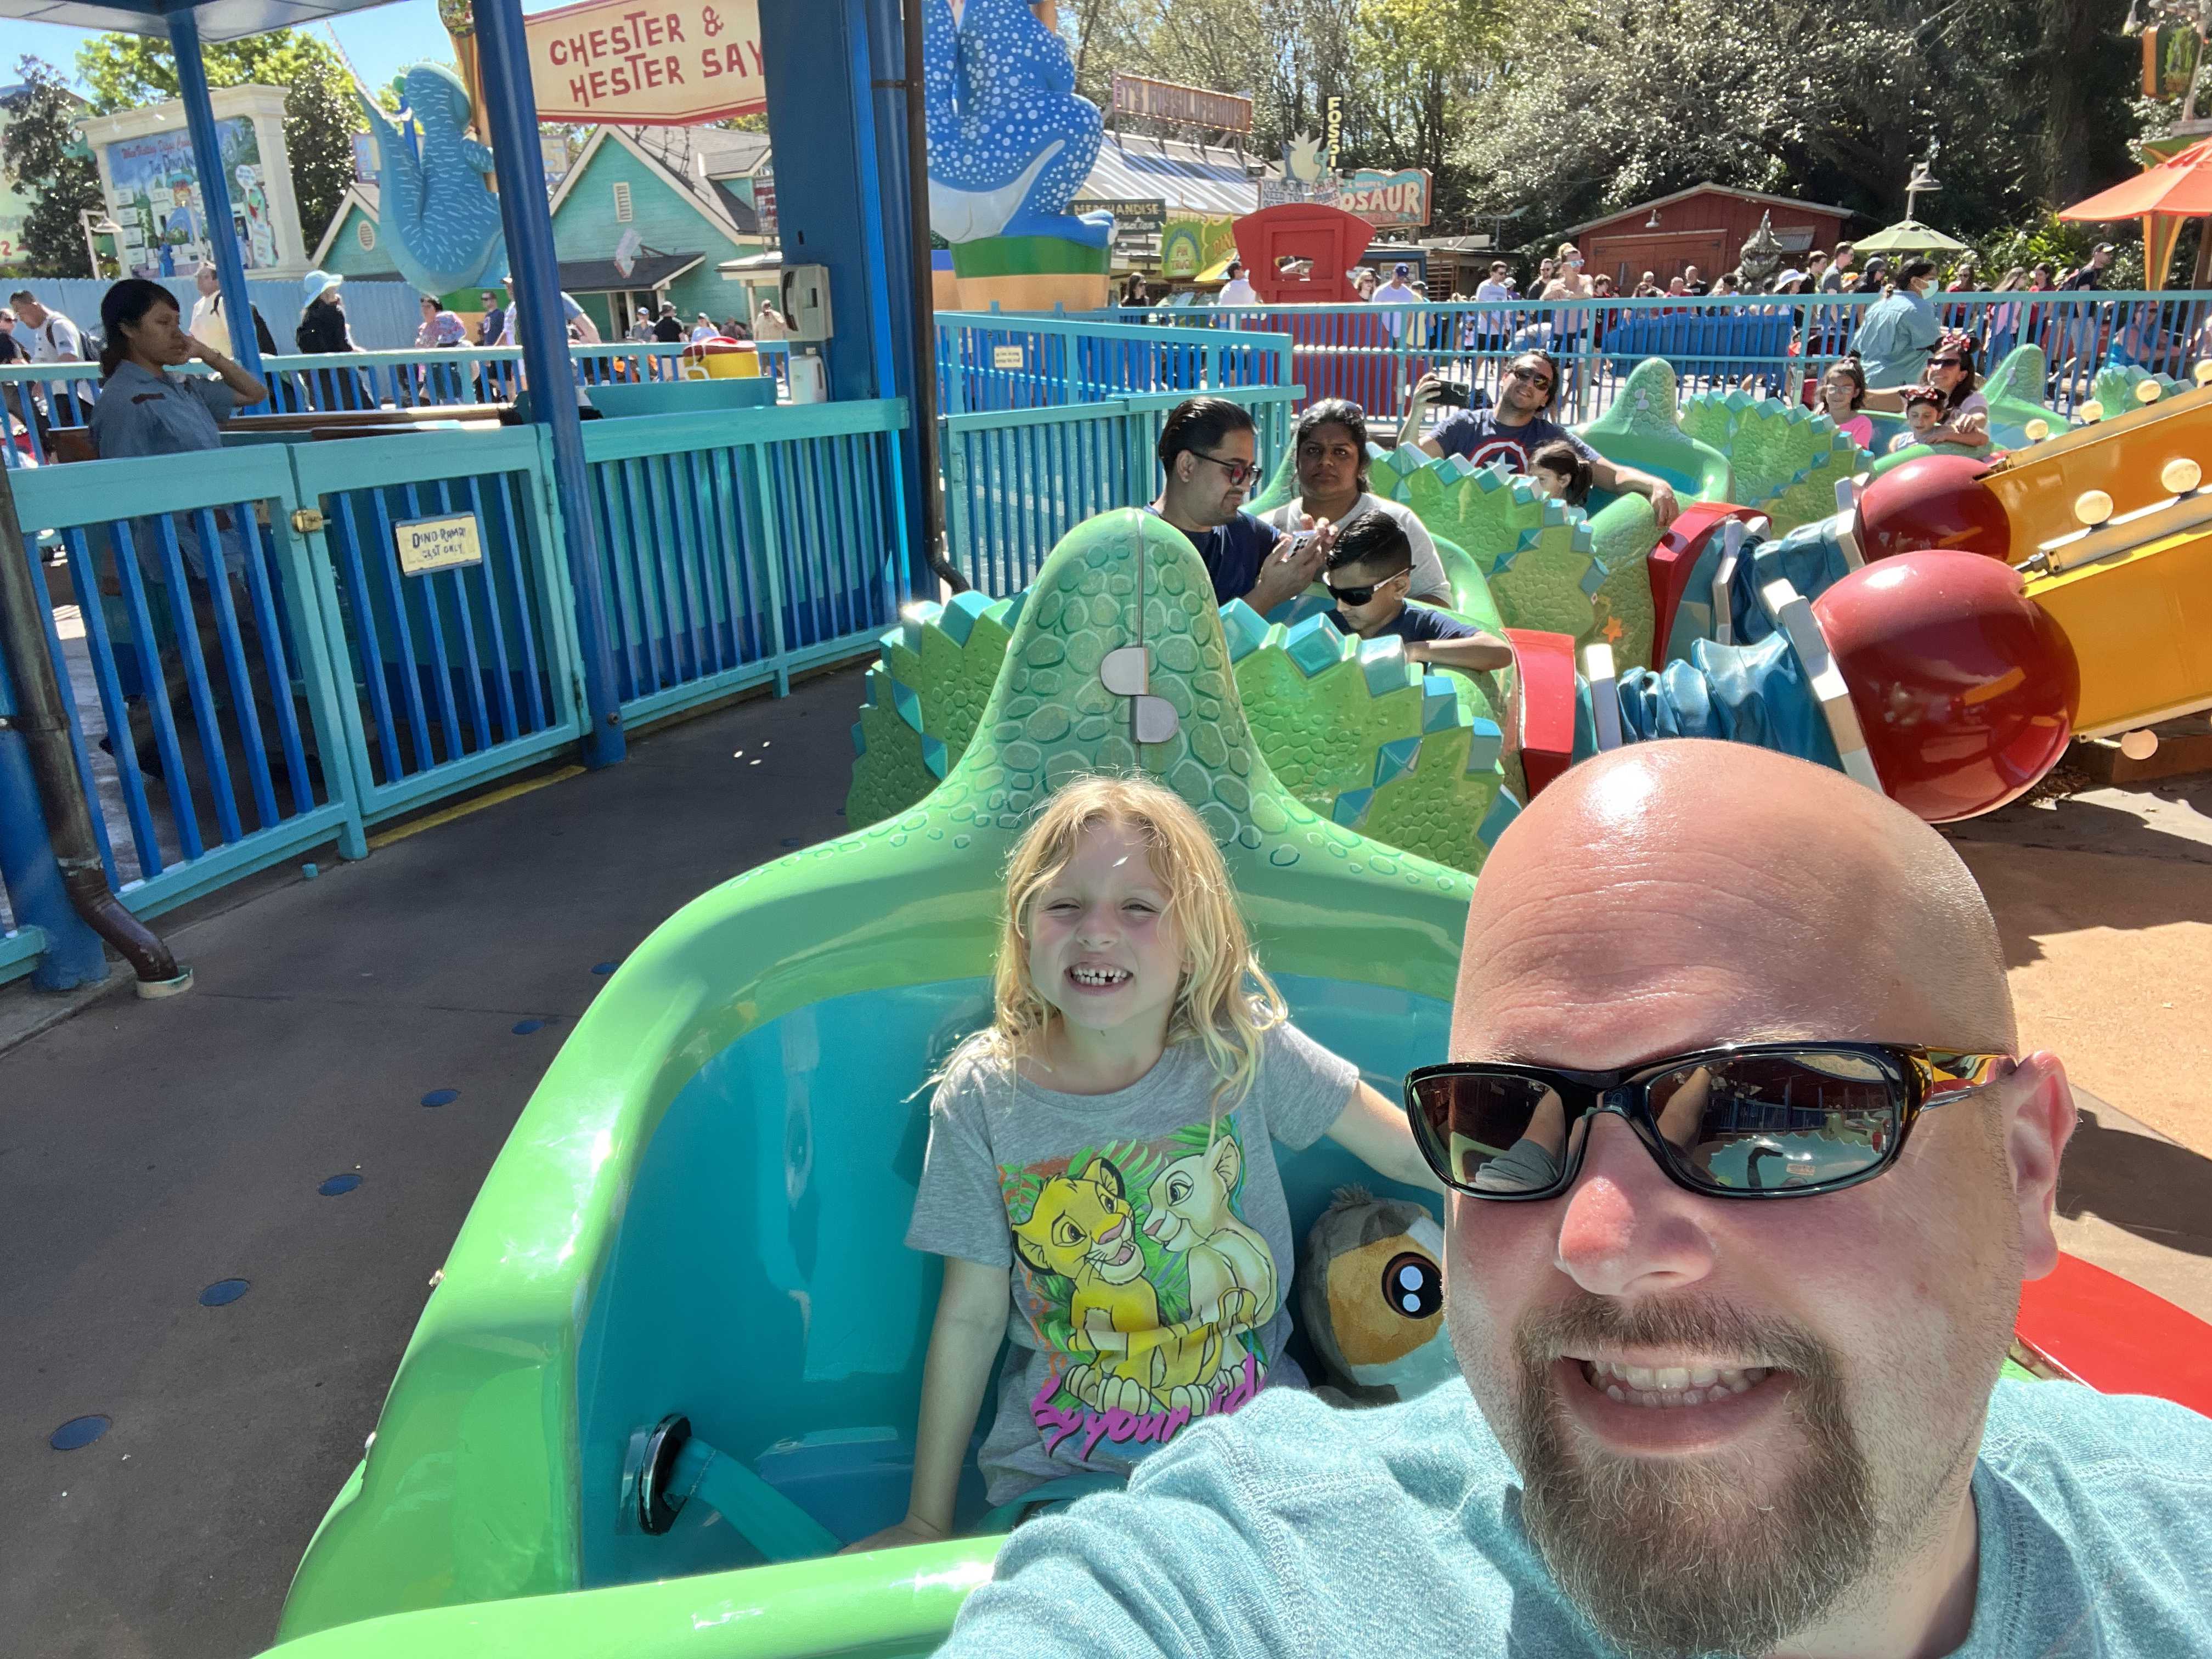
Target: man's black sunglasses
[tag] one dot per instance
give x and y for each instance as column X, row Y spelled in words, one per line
column 1774, row 1120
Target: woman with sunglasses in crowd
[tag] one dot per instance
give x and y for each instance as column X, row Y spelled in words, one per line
column 1965, row 422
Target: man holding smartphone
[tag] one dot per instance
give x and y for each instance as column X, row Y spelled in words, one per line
column 1518, row 426
column 1208, row 452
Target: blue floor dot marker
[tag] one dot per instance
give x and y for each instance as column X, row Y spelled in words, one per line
column 604, row 967
column 441, row 1096
column 224, row 1291
column 525, row 1027
column 340, row 1183
column 78, row 1431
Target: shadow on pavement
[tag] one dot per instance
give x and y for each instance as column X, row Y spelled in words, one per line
column 2151, row 1187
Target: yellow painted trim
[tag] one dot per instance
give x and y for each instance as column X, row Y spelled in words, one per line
column 432, row 820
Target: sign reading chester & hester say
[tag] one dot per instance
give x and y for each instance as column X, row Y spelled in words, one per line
column 673, row 62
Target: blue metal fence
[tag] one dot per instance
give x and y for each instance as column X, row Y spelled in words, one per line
column 1374, row 355
column 224, row 725
column 988, row 361
column 37, row 398
column 743, row 545
column 1016, row 481
column 214, row 696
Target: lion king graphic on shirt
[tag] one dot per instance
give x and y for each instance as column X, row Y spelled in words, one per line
column 1143, row 1281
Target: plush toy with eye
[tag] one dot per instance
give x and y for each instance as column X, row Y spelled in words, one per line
column 1372, row 1296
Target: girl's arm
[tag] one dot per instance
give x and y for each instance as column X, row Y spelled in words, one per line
column 971, row 1322
column 1376, row 1132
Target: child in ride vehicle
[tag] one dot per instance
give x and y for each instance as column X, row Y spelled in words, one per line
column 1368, row 570
column 1100, row 1154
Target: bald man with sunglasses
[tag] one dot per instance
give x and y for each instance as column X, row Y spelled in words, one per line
column 1746, row 1172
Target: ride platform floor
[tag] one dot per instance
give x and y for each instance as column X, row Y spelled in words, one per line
column 149, row 1150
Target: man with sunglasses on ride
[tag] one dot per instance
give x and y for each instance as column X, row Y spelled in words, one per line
column 1518, row 426
column 1208, row 453
column 1747, row 1171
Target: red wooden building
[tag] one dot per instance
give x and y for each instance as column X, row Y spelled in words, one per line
column 1704, row 226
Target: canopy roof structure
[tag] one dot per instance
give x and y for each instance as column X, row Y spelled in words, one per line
column 219, row 20
column 2181, row 185
column 1909, row 236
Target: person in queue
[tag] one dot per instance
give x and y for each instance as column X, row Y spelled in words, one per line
column 54, row 339
column 1517, row 428
column 143, row 411
column 1368, row 570
column 1208, row 452
column 1330, row 444
column 1730, row 1365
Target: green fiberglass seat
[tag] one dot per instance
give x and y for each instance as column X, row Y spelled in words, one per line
column 701, row 1212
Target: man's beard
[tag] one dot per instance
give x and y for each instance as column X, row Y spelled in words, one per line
column 1677, row 1556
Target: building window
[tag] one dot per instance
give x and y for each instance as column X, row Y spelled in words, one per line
column 364, row 234
column 622, row 201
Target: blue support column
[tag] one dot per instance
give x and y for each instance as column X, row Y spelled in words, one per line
column 510, row 115
column 73, row 954
column 215, row 188
column 841, row 179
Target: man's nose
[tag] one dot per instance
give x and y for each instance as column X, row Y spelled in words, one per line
column 1627, row 1229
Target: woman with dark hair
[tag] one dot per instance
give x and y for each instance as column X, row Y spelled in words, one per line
column 1895, row 334
column 1965, row 422
column 143, row 408
column 1329, row 445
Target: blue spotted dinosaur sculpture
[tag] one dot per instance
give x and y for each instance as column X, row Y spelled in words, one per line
column 1010, row 144
column 441, row 221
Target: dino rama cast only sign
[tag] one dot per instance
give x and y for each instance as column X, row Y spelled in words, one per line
column 678, row 63
column 429, row 544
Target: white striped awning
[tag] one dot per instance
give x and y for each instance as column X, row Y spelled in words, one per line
column 1188, row 179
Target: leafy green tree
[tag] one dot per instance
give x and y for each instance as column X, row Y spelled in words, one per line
column 126, row 70
column 43, row 151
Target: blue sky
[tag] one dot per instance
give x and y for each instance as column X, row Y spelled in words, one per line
column 379, row 41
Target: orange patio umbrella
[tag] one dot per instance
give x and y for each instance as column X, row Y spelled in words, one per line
column 2164, row 197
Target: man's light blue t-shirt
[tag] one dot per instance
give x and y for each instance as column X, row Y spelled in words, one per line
column 1299, row 1529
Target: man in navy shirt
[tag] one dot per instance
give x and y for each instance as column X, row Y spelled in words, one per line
column 1517, row 428
column 1368, row 570
column 1208, row 453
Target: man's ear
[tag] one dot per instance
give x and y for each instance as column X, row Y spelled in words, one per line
column 2036, row 1132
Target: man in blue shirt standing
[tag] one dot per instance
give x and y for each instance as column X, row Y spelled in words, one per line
column 1520, row 426
column 1209, row 459
column 1747, row 1171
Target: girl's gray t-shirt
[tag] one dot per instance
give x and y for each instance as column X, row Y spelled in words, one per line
column 1150, row 1245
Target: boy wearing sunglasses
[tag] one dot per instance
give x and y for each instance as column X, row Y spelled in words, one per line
column 1369, row 569
column 1749, row 1165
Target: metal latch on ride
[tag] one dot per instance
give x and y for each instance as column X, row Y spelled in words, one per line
column 306, row 520
column 1126, row 672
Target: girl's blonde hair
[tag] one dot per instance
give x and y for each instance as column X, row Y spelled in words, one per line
column 1225, row 1001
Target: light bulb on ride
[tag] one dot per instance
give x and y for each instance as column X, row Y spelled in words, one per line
column 2180, row 475
column 2149, row 392
column 2037, row 431
column 2092, row 508
column 2203, row 373
column 2140, row 745
column 2090, row 413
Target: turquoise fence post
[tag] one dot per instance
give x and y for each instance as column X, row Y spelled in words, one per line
column 73, row 955
column 511, row 114
column 215, row 189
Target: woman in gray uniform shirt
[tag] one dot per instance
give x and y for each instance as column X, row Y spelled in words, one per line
column 143, row 410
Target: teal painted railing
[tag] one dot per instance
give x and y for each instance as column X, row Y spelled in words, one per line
column 988, row 361
column 743, row 545
column 40, row 396
column 1374, row 355
column 325, row 688
column 218, row 700
column 1017, row 480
